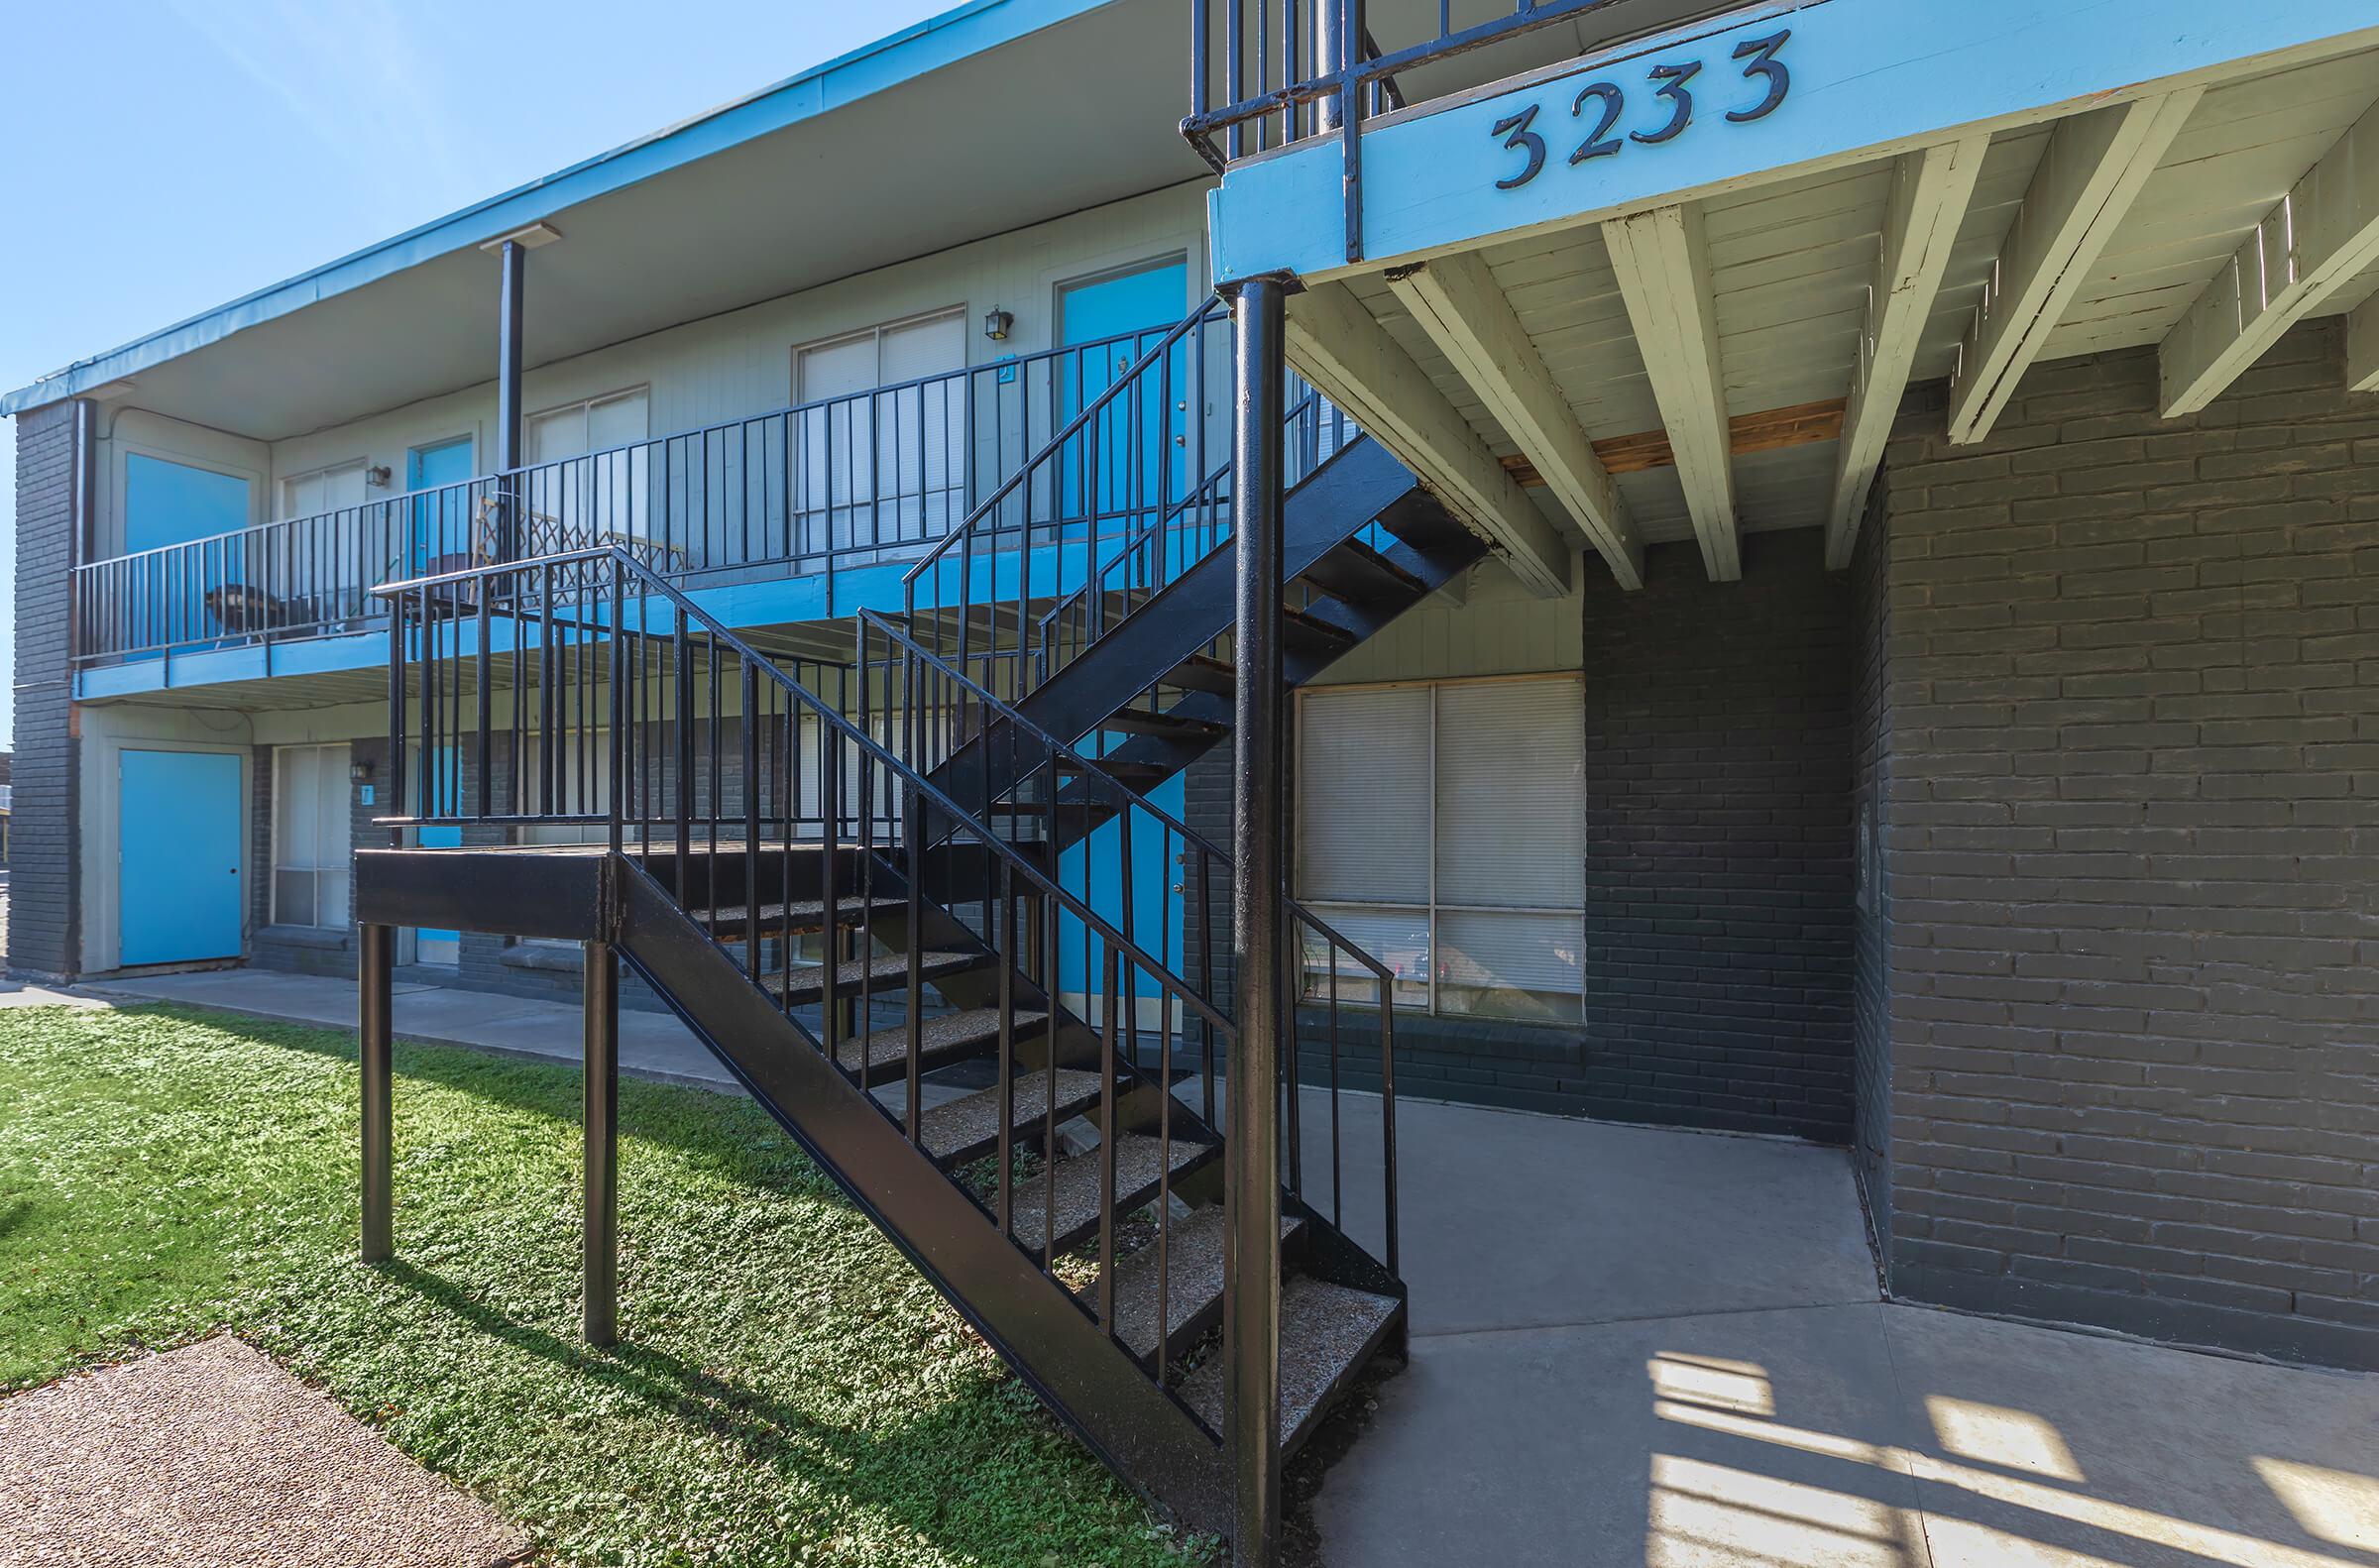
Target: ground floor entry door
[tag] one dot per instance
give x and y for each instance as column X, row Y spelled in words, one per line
column 178, row 843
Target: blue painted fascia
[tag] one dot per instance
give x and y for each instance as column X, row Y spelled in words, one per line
column 1867, row 73
column 913, row 51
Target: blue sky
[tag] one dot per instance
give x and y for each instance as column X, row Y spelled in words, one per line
column 170, row 155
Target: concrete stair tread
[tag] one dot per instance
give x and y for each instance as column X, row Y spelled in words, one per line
column 942, row 1039
column 1327, row 1331
column 878, row 974
column 966, row 1128
column 1192, row 1281
column 1139, row 1161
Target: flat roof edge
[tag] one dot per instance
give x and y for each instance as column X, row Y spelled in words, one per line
column 975, row 28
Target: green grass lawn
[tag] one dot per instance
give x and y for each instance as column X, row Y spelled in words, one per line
column 787, row 1391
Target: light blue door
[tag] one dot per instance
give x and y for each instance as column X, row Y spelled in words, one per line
column 1146, row 304
column 441, row 516
column 181, row 595
column 177, row 840
column 443, row 948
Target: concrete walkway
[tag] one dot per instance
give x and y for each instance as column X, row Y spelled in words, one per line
column 1667, row 1349
column 1647, row 1349
column 651, row 1045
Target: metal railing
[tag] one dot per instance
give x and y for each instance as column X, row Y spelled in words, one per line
column 816, row 488
column 724, row 771
column 1285, row 76
column 1132, row 491
column 1071, row 799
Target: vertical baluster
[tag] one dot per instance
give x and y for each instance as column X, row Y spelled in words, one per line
column 1106, row 1143
column 1388, row 1116
column 830, row 936
column 682, row 793
column 1165, row 1017
column 1049, row 1060
column 1009, row 959
column 752, row 820
column 1206, row 982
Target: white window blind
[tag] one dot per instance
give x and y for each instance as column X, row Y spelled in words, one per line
column 592, row 476
column 887, row 468
column 1442, row 828
column 1363, row 772
column 323, row 490
column 310, row 835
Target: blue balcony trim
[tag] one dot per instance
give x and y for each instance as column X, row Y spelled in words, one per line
column 1867, row 73
column 898, row 57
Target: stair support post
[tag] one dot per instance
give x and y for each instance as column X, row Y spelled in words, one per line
column 1252, row 1259
column 376, row 984
column 600, row 997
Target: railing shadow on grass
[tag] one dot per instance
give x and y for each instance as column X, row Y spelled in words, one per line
column 764, row 1429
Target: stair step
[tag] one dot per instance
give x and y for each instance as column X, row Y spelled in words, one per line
column 1356, row 573
column 1315, row 631
column 1135, row 776
column 877, row 975
column 1327, row 1333
column 967, row 1129
column 1197, row 673
column 1139, row 1159
column 800, row 915
column 1193, row 1282
column 884, row 1056
column 1165, row 727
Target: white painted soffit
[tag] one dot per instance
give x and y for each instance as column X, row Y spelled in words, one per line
column 991, row 117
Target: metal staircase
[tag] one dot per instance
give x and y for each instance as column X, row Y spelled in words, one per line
column 898, row 903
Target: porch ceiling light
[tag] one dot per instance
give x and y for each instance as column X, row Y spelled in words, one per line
column 996, row 324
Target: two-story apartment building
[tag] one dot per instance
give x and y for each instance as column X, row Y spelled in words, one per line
column 1832, row 589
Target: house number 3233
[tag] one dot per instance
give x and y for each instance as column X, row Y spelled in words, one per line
column 1601, row 106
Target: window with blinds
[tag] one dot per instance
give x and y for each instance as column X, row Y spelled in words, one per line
column 311, row 846
column 1442, row 828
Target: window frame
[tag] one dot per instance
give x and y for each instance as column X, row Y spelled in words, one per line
column 1434, row 908
column 876, row 331
column 276, row 865
column 288, row 513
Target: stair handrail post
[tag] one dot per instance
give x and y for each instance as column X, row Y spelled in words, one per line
column 1252, row 1257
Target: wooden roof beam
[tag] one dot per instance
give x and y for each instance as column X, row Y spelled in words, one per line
column 2322, row 234
column 1352, row 361
column 1662, row 262
column 2094, row 168
column 1930, row 193
column 1456, row 300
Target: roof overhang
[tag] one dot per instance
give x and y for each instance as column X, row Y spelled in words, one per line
column 993, row 116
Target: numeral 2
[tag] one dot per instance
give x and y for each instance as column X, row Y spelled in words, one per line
column 1601, row 143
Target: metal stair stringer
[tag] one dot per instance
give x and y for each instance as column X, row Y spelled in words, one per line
column 1143, row 1434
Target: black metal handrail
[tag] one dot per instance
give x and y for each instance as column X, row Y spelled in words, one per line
column 699, row 737
column 1037, row 761
column 817, row 488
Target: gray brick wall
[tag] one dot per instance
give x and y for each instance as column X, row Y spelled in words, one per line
column 2133, row 844
column 1871, row 782
column 1717, row 848
column 44, row 920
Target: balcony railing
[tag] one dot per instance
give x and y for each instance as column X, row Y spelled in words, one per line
column 1268, row 72
column 811, row 490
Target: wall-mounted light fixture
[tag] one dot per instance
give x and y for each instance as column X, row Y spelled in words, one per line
column 996, row 324
column 358, row 772
column 379, row 475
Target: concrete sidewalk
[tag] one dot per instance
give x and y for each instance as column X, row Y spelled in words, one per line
column 651, row 1045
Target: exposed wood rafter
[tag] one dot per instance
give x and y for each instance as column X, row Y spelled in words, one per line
column 1662, row 262
column 1351, row 360
column 1930, row 192
column 2362, row 347
column 2321, row 235
column 1456, row 300
column 1770, row 430
column 2095, row 168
